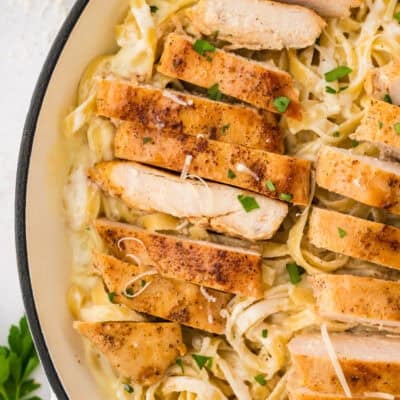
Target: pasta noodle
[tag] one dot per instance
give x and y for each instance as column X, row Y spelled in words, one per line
column 365, row 39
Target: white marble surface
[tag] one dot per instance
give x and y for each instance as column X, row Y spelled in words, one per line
column 27, row 30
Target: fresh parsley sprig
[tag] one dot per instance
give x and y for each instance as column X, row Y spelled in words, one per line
column 17, row 362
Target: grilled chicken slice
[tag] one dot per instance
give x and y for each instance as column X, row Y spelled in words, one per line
column 165, row 298
column 357, row 299
column 269, row 25
column 139, row 351
column 385, row 81
column 249, row 81
column 355, row 237
column 179, row 112
column 327, row 8
column 365, row 179
column 214, row 160
column 229, row 269
column 216, row 206
column 370, row 363
column 381, row 126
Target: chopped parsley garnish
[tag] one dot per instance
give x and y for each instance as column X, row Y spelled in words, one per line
column 331, row 90
column 249, row 203
column 397, row 17
column 153, row 9
column 281, row 103
column 342, row 233
column 128, row 388
column 295, row 272
column 143, row 283
column 380, row 124
column 396, row 127
column 387, row 98
column 202, row 47
column 260, row 379
column 179, row 362
column 225, row 128
column 147, row 140
column 231, row 174
column 337, row 73
column 264, row 333
column 128, row 292
column 285, row 197
column 336, row 134
column 214, row 93
column 354, row 142
column 202, row 361
column 270, row 186
column 111, row 296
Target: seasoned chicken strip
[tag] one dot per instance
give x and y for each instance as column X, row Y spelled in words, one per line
column 229, row 269
column 327, row 8
column 216, row 206
column 139, row 351
column 179, row 112
column 385, row 81
column 165, row 298
column 213, row 160
column 355, row 237
column 369, row 362
column 357, row 299
column 381, row 126
column 365, row 179
column 269, row 25
column 249, row 81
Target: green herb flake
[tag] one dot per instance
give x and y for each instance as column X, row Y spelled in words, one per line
column 331, row 90
column 397, row 17
column 249, row 203
column 111, row 297
column 336, row 134
column 396, row 127
column 380, row 124
column 354, row 143
column 202, row 361
column 260, row 379
column 143, row 283
column 281, row 104
column 147, row 140
column 387, row 98
column 231, row 174
column 285, row 197
column 318, row 41
column 17, row 362
column 341, row 89
column 337, row 73
column 295, row 272
column 214, row 93
column 202, row 47
column 342, row 233
column 270, row 186
column 153, row 9
column 264, row 333
column 179, row 362
column 128, row 388
column 128, row 292
column 225, row 128
column 215, row 35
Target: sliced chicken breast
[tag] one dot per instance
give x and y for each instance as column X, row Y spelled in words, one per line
column 215, row 206
column 365, row 179
column 179, row 112
column 269, row 25
column 355, row 237
column 357, row 299
column 249, row 81
column 381, row 126
column 370, row 363
column 385, row 81
column 229, row 269
column 213, row 160
column 139, row 351
column 166, row 298
column 327, row 8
